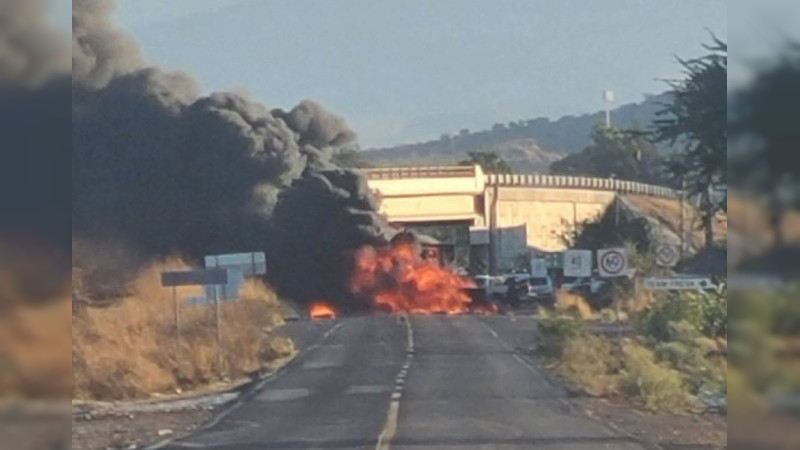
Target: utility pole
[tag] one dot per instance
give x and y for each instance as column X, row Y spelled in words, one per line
column 682, row 227
column 177, row 321
column 608, row 98
column 218, row 318
column 493, row 232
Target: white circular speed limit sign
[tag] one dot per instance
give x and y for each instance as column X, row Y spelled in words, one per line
column 666, row 255
column 612, row 262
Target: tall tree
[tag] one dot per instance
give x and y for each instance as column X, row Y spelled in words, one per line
column 613, row 152
column 697, row 119
column 490, row 162
column 764, row 119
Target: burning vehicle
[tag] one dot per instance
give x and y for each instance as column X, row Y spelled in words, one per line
column 401, row 278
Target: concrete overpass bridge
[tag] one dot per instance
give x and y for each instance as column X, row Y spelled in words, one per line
column 540, row 208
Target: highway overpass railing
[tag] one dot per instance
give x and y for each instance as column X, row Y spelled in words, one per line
column 520, row 180
column 396, row 173
column 565, row 181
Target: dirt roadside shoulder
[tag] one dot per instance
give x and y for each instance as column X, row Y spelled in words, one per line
column 139, row 424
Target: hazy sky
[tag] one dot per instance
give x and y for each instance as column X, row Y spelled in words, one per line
column 409, row 70
column 759, row 31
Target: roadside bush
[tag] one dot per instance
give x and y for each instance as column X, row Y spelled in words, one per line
column 690, row 352
column 608, row 315
column 591, row 362
column 553, row 334
column 655, row 386
column 704, row 312
column 702, row 374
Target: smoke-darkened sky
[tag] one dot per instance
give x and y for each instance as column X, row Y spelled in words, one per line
column 411, row 70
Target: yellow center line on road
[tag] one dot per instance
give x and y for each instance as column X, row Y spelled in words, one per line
column 390, row 427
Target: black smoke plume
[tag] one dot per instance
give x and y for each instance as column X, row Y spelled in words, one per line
column 35, row 95
column 165, row 169
column 318, row 224
column 159, row 168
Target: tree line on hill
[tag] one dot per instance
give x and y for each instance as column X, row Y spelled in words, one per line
column 529, row 146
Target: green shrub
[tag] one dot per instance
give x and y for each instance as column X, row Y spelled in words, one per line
column 555, row 332
column 776, row 312
column 689, row 358
column 676, row 354
column 608, row 315
column 655, row 386
column 704, row 312
column 591, row 362
column 714, row 315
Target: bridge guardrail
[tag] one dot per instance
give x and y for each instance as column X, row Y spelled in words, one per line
column 565, row 181
column 553, row 181
column 394, row 173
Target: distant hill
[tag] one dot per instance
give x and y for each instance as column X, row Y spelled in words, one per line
column 529, row 146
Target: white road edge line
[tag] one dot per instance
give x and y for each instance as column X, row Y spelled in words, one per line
column 527, row 364
column 390, row 427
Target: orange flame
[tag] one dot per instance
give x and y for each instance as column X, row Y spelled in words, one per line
column 322, row 310
column 397, row 279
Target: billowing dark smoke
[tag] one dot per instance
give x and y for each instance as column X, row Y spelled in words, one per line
column 159, row 166
column 318, row 225
column 100, row 51
column 35, row 96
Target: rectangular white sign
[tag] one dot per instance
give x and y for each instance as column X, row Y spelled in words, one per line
column 612, row 262
column 676, row 284
column 478, row 236
column 578, row 263
column 538, row 267
column 249, row 263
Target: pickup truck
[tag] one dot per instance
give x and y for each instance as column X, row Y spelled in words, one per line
column 493, row 285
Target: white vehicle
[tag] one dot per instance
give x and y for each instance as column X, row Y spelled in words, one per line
column 541, row 288
column 583, row 285
column 494, row 285
column 532, row 287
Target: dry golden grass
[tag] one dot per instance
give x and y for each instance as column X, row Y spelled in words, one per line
column 35, row 322
column 130, row 350
column 667, row 211
column 34, row 350
column 591, row 362
column 572, row 303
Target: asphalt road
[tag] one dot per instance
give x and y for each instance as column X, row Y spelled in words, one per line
column 432, row 382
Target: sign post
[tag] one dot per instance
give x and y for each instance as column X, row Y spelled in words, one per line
column 249, row 264
column 177, row 319
column 200, row 277
column 218, row 319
